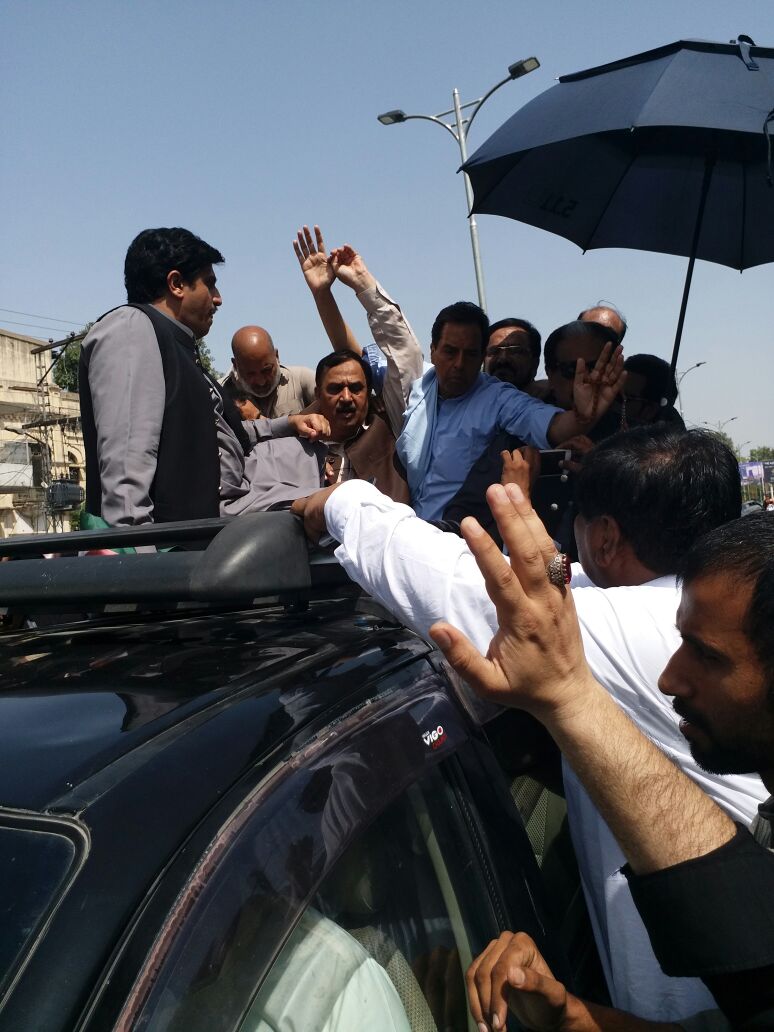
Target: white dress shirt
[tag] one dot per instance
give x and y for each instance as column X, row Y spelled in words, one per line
column 422, row 575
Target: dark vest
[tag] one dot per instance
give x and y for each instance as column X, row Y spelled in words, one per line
column 187, row 478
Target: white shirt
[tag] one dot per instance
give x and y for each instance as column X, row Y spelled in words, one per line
column 325, row 980
column 422, row 575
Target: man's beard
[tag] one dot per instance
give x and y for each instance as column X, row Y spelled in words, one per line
column 264, row 392
column 745, row 755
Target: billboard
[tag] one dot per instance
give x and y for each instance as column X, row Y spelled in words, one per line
column 751, row 472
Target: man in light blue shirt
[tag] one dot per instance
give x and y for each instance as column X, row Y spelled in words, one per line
column 455, row 411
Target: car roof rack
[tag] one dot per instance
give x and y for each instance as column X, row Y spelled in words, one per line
column 247, row 557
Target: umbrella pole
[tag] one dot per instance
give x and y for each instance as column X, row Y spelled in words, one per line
column 709, row 163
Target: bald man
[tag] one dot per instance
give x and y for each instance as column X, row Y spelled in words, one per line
column 606, row 315
column 256, row 371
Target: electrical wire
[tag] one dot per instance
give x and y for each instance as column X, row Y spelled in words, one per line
column 37, row 326
column 36, row 315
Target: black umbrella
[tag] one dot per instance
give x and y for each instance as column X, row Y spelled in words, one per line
column 665, row 151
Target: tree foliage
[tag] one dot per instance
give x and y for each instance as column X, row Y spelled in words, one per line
column 206, row 356
column 762, row 454
column 66, row 369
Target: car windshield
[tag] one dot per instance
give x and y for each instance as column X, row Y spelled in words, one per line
column 37, row 859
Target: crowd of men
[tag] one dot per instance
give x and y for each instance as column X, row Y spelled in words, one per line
column 406, row 465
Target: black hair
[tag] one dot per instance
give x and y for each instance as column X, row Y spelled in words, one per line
column 665, row 487
column 595, row 331
column 610, row 308
column 659, row 378
column 464, row 313
column 154, row 253
column 336, row 358
column 744, row 549
column 533, row 334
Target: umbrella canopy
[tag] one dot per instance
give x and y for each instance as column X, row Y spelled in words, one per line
column 665, row 151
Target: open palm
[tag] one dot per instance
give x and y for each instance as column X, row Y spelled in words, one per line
column 593, row 392
column 313, row 259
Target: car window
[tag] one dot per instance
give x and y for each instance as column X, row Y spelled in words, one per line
column 357, row 871
column 38, row 858
column 391, row 930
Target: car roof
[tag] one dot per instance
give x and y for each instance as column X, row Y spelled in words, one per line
column 142, row 695
column 78, row 701
column 238, row 616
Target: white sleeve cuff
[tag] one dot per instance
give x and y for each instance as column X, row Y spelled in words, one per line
column 343, row 500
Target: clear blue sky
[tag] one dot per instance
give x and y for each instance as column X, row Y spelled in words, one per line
column 242, row 120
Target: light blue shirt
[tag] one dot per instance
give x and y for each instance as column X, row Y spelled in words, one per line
column 372, row 353
column 464, row 428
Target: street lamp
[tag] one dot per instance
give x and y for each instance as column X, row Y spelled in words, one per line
column 719, row 426
column 680, row 379
column 459, row 130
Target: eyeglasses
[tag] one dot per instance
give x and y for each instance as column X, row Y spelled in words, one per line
column 499, row 349
column 567, row 369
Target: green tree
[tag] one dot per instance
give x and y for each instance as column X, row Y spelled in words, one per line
column 66, row 369
column 762, row 454
column 206, row 356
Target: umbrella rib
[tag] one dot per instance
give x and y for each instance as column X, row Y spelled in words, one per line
column 744, row 215
column 609, row 202
column 479, row 200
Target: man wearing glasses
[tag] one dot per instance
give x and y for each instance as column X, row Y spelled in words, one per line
column 513, row 352
column 562, row 350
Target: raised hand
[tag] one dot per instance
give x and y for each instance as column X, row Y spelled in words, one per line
column 535, row 661
column 315, row 263
column 593, row 393
column 512, row 972
column 349, row 267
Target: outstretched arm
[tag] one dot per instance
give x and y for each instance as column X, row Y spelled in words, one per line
column 535, row 662
column 390, row 330
column 320, row 277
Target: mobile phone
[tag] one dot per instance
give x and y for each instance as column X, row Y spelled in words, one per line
column 549, row 461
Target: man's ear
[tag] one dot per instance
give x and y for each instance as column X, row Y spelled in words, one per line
column 606, row 541
column 175, row 283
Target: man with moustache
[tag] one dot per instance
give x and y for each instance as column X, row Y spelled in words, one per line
column 513, row 352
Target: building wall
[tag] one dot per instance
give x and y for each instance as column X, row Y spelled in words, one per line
column 22, row 508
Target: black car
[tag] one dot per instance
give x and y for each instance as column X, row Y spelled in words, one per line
column 236, row 794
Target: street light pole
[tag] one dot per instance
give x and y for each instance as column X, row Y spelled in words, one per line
column 680, row 379
column 459, row 130
column 462, row 139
